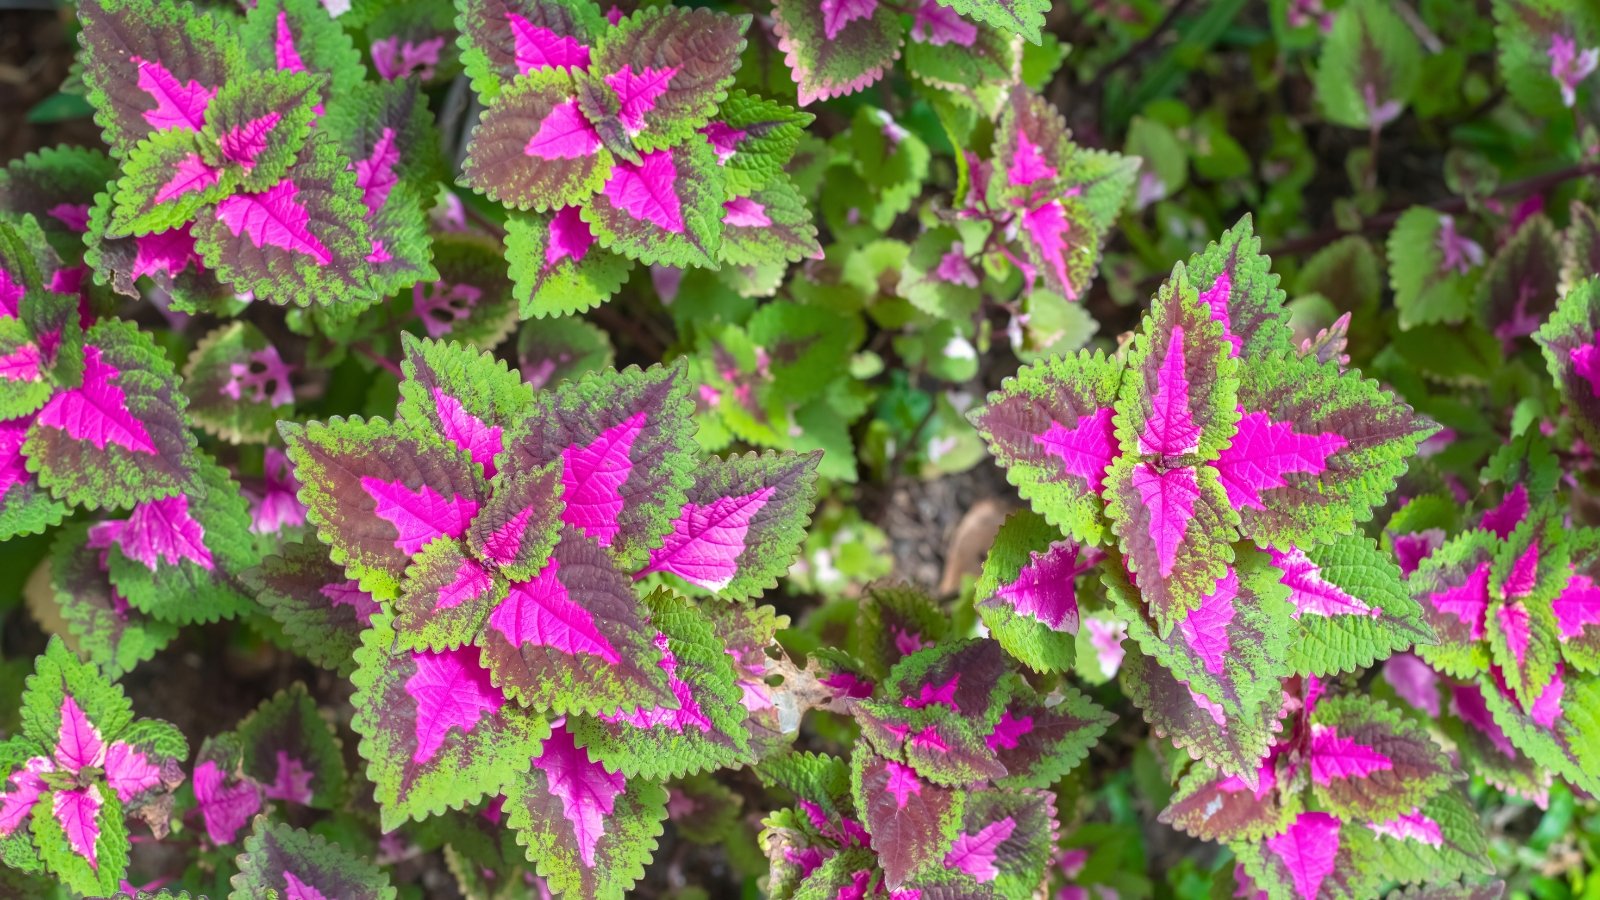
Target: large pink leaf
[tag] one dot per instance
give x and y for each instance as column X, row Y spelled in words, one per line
column 707, row 541
column 420, row 515
column 1309, row 849
column 1206, row 626
column 1264, row 451
column 161, row 532
column 537, row 47
column 1045, row 588
column 1336, row 757
column 129, row 772
column 1576, row 608
column 541, row 612
column 78, row 812
column 587, row 791
column 451, row 691
column 273, row 218
column 97, row 410
column 648, row 191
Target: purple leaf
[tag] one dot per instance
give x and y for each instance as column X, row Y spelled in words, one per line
column 533, row 148
column 226, row 807
column 1264, row 451
column 909, row 819
column 592, row 476
column 540, row 48
column 855, row 55
column 1337, row 757
column 1308, row 849
column 504, row 38
column 520, row 524
column 541, row 613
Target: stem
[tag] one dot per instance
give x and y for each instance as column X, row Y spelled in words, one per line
column 483, row 221
column 382, row 362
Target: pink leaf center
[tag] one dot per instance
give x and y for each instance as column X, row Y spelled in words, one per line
column 1335, row 757
column 542, row 613
column 587, row 790
column 1169, row 498
column 476, row 438
column 179, row 105
column 243, row 144
column 592, row 477
column 564, row 134
column 273, row 218
column 97, row 411
column 1309, row 849
column 451, row 691
column 1085, row 449
column 706, row 541
column 975, row 853
column 537, row 48
column 1313, row 594
column 638, row 94
column 162, row 532
column 1171, row 430
column 648, row 192
column 570, row 237
column 1264, row 451
column 420, row 515
column 744, row 212
column 1206, row 627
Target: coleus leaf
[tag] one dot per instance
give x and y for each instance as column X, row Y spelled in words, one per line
column 1369, row 762
column 468, row 296
column 1030, row 151
column 113, row 635
column 1431, row 268
column 282, row 861
column 1530, row 569
column 25, row 507
column 1369, row 67
column 1040, row 738
column 501, row 39
column 292, row 751
column 534, row 150
column 1235, row 282
column 624, row 440
column 741, row 525
column 119, row 437
column 1438, row 841
column 1051, row 428
column 464, row 395
column 255, row 127
column 175, row 556
column 1024, row 17
column 1453, row 587
column 1553, row 729
column 1572, row 353
column 911, row 821
column 224, row 796
column 588, row 829
column 1577, row 607
column 1175, row 416
column 301, row 241
column 556, row 266
column 1006, row 839
column 747, row 631
column 670, row 68
column 168, row 259
column 1226, row 660
column 166, row 182
column 1316, row 451
column 770, row 225
column 753, row 139
column 435, row 732
column 238, row 385
column 1520, row 288
column 938, row 707
column 1214, row 806
column 301, row 36
column 895, row 622
column 1306, row 860
column 667, row 209
column 1028, row 594
column 836, row 48
column 322, row 611
column 1351, row 606
column 936, row 30
column 520, row 525
column 379, row 492
column 82, row 839
column 152, row 66
column 1544, row 52
column 57, row 185
column 706, row 729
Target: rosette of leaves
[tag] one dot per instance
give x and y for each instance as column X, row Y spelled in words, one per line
column 1517, row 615
column 221, row 169
column 1208, row 436
column 1353, row 796
column 948, row 788
column 618, row 141
column 79, row 768
column 513, row 535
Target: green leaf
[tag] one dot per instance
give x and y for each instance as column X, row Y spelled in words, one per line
column 1024, row 17
column 1429, row 284
column 754, row 139
column 555, row 268
column 1369, row 66
column 1525, row 35
column 280, row 861
column 292, row 751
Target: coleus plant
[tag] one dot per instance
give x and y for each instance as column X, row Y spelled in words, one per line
column 529, row 550
column 618, row 140
column 1223, row 471
column 254, row 149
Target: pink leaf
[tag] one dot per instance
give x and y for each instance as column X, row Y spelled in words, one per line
column 638, row 94
column 538, row 48
column 1311, row 593
column 273, row 218
column 570, row 237
column 190, row 176
column 1468, row 601
column 975, row 853
column 1309, row 849
column 376, row 175
column 1469, row 706
column 225, row 809
column 166, row 252
column 162, row 531
column 1576, row 608
column 75, row 216
column 541, row 612
column 440, row 304
column 1106, row 636
column 393, row 60
column 1170, row 429
column 1586, row 364
column 97, row 411
column 418, row 516
column 1547, row 708
column 1412, row 826
column 564, row 134
column 1009, row 731
column 1504, row 519
column 451, row 691
column 1085, row 449
column 1412, row 548
column 12, row 291
column 587, row 790
column 23, row 789
column 288, row 57
column 725, row 140
column 1524, row 574
column 129, row 772
column 592, row 477
column 78, row 743
column 243, row 144
column 936, row 24
column 13, row 464
column 1414, row 681
column 1028, row 164
column 648, row 191
column 706, row 541
column 1335, row 757
column 1170, row 497
column 292, row 782
column 836, row 14
column 743, row 212
column 78, row 811
column 1263, row 451
column 1206, row 627
column 471, row 582
column 1048, row 227
column 178, row 105
column 1045, row 588
column 477, row 439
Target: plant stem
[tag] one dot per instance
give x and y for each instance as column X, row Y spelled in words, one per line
column 382, row 362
